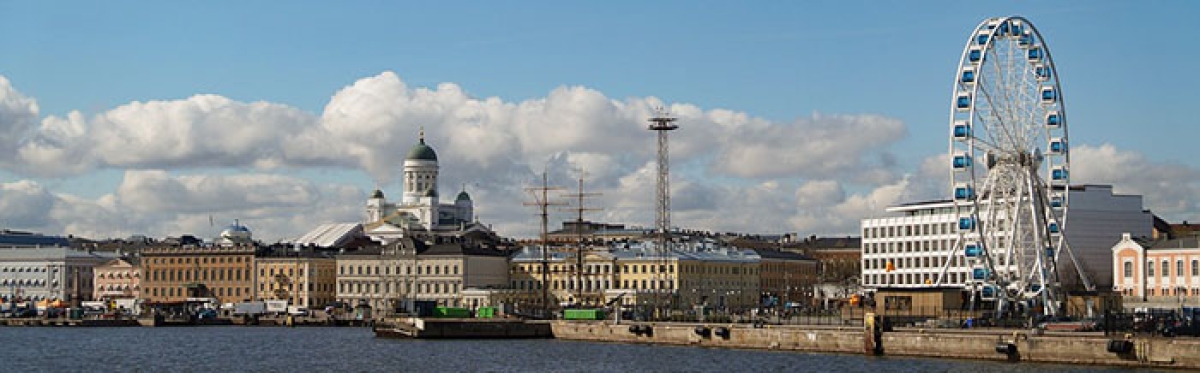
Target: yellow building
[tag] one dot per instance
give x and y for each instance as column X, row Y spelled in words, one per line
column 306, row 280
column 395, row 276
column 174, row 274
column 636, row 276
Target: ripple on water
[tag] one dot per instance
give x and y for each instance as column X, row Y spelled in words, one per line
column 270, row 349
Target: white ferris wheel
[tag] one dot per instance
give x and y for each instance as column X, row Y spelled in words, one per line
column 1009, row 167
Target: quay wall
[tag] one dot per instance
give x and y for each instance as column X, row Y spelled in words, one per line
column 1066, row 348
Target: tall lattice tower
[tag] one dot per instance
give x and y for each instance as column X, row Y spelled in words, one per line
column 663, row 123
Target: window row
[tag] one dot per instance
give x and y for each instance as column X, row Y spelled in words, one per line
column 368, row 270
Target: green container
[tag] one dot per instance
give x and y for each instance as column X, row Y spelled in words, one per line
column 485, row 312
column 451, row 312
column 583, row 314
column 76, row 313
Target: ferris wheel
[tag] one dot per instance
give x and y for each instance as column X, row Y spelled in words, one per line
column 1009, row 167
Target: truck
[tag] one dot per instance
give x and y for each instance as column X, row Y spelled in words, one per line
column 277, row 306
column 297, row 311
column 250, row 308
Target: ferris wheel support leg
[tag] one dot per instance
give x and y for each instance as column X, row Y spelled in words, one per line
column 946, row 266
column 1087, row 282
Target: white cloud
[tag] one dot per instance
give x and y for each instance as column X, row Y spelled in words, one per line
column 18, row 118
column 1168, row 189
column 200, row 131
column 818, row 146
column 159, row 204
column 24, row 203
column 730, row 170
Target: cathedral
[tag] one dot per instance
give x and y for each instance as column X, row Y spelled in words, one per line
column 420, row 210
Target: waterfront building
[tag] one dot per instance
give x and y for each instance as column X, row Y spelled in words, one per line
column 909, row 247
column 395, row 275
column 840, row 258
column 786, row 277
column 176, row 273
column 1161, row 272
column 305, row 279
column 637, row 274
column 37, row 267
column 589, row 231
column 420, row 209
column 118, row 278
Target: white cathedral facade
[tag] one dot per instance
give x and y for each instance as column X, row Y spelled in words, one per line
column 419, row 209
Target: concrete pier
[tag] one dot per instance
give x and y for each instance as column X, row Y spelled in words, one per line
column 1001, row 345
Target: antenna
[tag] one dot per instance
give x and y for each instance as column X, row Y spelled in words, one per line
column 541, row 200
column 662, row 123
column 580, row 208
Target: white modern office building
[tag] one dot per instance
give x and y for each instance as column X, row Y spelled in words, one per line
column 917, row 238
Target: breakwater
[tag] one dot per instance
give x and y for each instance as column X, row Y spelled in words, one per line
column 996, row 345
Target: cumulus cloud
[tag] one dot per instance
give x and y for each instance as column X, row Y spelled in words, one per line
column 200, row 131
column 1168, row 189
column 158, row 204
column 727, row 165
column 25, row 203
column 819, row 146
column 18, row 118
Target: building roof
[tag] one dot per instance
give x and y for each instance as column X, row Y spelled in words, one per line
column 377, row 194
column 26, row 239
column 647, row 251
column 422, row 152
column 54, row 253
column 330, row 235
column 463, row 196
column 781, row 255
column 456, row 248
column 1186, row 242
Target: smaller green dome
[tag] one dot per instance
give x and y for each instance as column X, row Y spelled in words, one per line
column 422, row 152
column 377, row 194
column 431, row 193
column 463, row 196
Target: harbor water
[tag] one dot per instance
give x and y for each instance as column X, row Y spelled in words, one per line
column 279, row 349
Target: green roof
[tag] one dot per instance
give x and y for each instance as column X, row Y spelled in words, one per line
column 422, row 152
column 463, row 196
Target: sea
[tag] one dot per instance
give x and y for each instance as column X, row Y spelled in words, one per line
column 352, row 349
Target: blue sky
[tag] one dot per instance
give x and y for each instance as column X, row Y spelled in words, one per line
column 1123, row 66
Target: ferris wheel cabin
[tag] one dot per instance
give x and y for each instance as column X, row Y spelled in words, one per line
column 1034, row 54
column 973, row 250
column 975, row 55
column 1049, row 95
column 1042, row 72
column 1053, row 120
column 1059, row 175
column 962, row 130
column 968, row 76
column 963, row 102
column 1058, row 145
column 964, row 192
column 962, row 161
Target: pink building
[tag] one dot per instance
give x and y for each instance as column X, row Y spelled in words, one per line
column 1157, row 271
